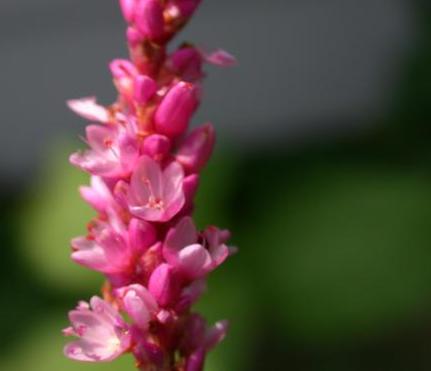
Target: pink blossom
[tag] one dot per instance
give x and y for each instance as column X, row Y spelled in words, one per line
column 98, row 195
column 113, row 152
column 183, row 250
column 105, row 250
column 156, row 195
column 103, row 334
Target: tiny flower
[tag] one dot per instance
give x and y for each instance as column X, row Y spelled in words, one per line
column 113, row 152
column 139, row 304
column 174, row 112
column 105, row 250
column 149, row 18
column 156, row 195
column 194, row 259
column 98, row 195
column 103, row 334
column 89, row 109
column 197, row 148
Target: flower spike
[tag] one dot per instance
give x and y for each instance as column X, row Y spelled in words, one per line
column 145, row 169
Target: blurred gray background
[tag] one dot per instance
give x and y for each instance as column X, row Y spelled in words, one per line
column 307, row 67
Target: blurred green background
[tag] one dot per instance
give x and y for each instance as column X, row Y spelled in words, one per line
column 334, row 269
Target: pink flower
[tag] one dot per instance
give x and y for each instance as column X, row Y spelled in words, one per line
column 156, row 195
column 139, row 304
column 197, row 148
column 113, row 152
column 103, row 334
column 183, row 250
column 89, row 109
column 98, row 195
column 106, row 250
column 174, row 112
column 111, row 248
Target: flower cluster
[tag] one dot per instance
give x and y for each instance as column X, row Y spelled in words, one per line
column 144, row 168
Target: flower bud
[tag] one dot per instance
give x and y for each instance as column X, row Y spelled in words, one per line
column 149, row 19
column 141, row 235
column 195, row 362
column 156, row 146
column 134, row 37
column 197, row 148
column 145, row 88
column 128, row 9
column 174, row 112
column 124, row 73
column 187, row 63
column 164, row 285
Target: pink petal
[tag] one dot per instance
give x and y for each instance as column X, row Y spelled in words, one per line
column 147, row 180
column 182, row 235
column 221, row 58
column 88, row 253
column 89, row 109
column 216, row 334
column 194, row 261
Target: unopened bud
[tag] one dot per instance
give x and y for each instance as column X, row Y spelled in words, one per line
column 145, row 88
column 149, row 19
column 174, row 112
